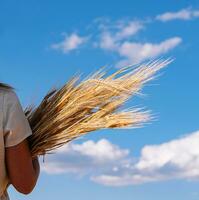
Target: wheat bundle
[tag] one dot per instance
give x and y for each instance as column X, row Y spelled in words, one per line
column 75, row 109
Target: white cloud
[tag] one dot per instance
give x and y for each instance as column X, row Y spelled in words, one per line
column 85, row 158
column 106, row 163
column 184, row 14
column 118, row 39
column 128, row 30
column 182, row 154
column 176, row 159
column 69, row 43
column 102, row 150
column 108, row 42
column 136, row 52
column 112, row 35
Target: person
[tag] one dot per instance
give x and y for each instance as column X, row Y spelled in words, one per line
column 17, row 167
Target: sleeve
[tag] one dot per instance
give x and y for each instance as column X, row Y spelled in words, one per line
column 16, row 125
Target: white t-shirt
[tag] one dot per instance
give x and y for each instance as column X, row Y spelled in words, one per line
column 14, row 128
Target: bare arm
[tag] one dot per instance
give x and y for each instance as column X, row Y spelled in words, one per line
column 23, row 170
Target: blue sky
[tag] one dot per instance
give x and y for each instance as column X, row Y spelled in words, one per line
column 44, row 43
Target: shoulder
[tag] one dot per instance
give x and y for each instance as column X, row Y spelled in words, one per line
column 10, row 97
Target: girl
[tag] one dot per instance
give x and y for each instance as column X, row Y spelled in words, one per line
column 17, row 167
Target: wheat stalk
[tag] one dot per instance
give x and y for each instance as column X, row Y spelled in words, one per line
column 75, row 109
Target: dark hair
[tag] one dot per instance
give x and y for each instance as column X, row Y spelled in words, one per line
column 5, row 86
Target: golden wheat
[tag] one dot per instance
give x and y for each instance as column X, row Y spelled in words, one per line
column 78, row 108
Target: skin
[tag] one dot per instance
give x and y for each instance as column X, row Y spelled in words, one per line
column 23, row 170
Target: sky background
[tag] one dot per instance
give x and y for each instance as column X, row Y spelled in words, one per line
column 44, row 43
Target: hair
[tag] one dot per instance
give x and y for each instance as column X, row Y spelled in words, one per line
column 6, row 86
